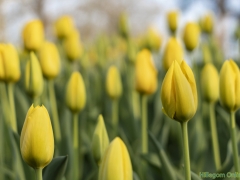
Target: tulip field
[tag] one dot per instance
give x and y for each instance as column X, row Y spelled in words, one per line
column 121, row 107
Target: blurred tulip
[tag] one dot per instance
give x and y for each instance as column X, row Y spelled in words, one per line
column 49, row 60
column 33, row 35
column 36, row 141
column 210, row 83
column 230, row 85
column 123, row 25
column 114, row 83
column 153, row 40
column 172, row 18
column 116, row 163
column 64, row 26
column 173, row 51
column 206, row 53
column 146, row 73
column 75, row 93
column 179, row 92
column 100, row 140
column 207, row 24
column 191, row 35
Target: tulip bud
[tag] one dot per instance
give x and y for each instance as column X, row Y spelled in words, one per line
column 33, row 77
column 179, row 92
column 33, row 35
column 210, row 83
column 207, row 24
column 153, row 39
column 114, row 83
column 49, row 60
column 36, row 141
column 230, row 86
column 172, row 18
column 100, row 140
column 123, row 25
column 146, row 73
column 206, row 53
column 75, row 93
column 191, row 36
column 173, row 51
column 64, row 26
column 116, row 163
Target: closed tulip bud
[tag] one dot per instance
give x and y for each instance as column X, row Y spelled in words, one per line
column 49, row 60
column 36, row 141
column 173, row 51
column 64, row 26
column 230, row 86
column 33, row 35
column 210, row 83
column 116, row 163
column 100, row 140
column 172, row 18
column 153, row 39
column 206, row 53
column 207, row 24
column 179, row 92
column 146, row 73
column 123, row 25
column 75, row 93
column 9, row 63
column 113, row 83
column 33, row 77
column 191, row 36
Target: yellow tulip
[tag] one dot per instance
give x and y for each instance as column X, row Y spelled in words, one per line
column 49, row 60
column 207, row 57
column 33, row 77
column 100, row 140
column 64, row 26
column 33, row 35
column 210, row 83
column 207, row 23
column 172, row 18
column 123, row 25
column 153, row 39
column 179, row 92
column 191, row 36
column 230, row 86
column 36, row 141
column 146, row 73
column 173, row 51
column 9, row 63
column 75, row 93
column 116, row 163
column 114, row 83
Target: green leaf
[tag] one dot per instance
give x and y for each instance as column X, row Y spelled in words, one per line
column 195, row 176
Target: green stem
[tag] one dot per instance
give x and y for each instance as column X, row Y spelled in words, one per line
column 234, row 141
column 76, row 160
column 75, row 130
column 186, row 151
column 12, row 106
column 144, row 125
column 5, row 104
column 214, row 134
column 115, row 114
column 38, row 174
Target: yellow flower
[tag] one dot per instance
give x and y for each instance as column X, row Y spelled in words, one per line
column 146, row 73
column 36, row 141
column 230, row 85
column 153, row 39
column 191, row 36
column 206, row 53
column 173, row 51
column 207, row 23
column 114, row 83
column 49, row 60
column 100, row 140
column 9, row 63
column 179, row 92
column 123, row 25
column 210, row 83
column 33, row 35
column 33, row 77
column 116, row 163
column 75, row 93
column 64, row 26
column 172, row 18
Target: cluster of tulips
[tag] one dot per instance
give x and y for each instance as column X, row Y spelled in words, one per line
column 90, row 110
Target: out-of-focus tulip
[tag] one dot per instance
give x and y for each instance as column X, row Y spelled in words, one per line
column 9, row 63
column 64, row 26
column 146, row 73
column 36, row 141
column 173, row 51
column 153, row 39
column 33, row 35
column 210, row 83
column 172, row 18
column 100, row 140
column 191, row 36
column 49, row 60
column 123, row 25
column 207, row 57
column 230, row 86
column 33, row 77
column 207, row 23
column 75, row 93
column 116, row 163
column 114, row 83
column 179, row 92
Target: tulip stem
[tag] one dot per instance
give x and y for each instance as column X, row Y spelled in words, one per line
column 12, row 106
column 234, row 141
column 5, row 104
column 115, row 114
column 75, row 147
column 144, row 125
column 186, row 151
column 215, row 144
column 75, row 130
column 38, row 174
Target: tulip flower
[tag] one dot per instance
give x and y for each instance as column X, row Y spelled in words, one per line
column 191, row 36
column 33, row 35
column 173, row 51
column 207, row 24
column 123, row 25
column 64, row 26
column 153, row 39
column 100, row 140
column 172, row 18
column 116, row 163
column 206, row 53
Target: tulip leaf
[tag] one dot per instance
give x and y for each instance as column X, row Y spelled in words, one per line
column 195, row 176
column 56, row 169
